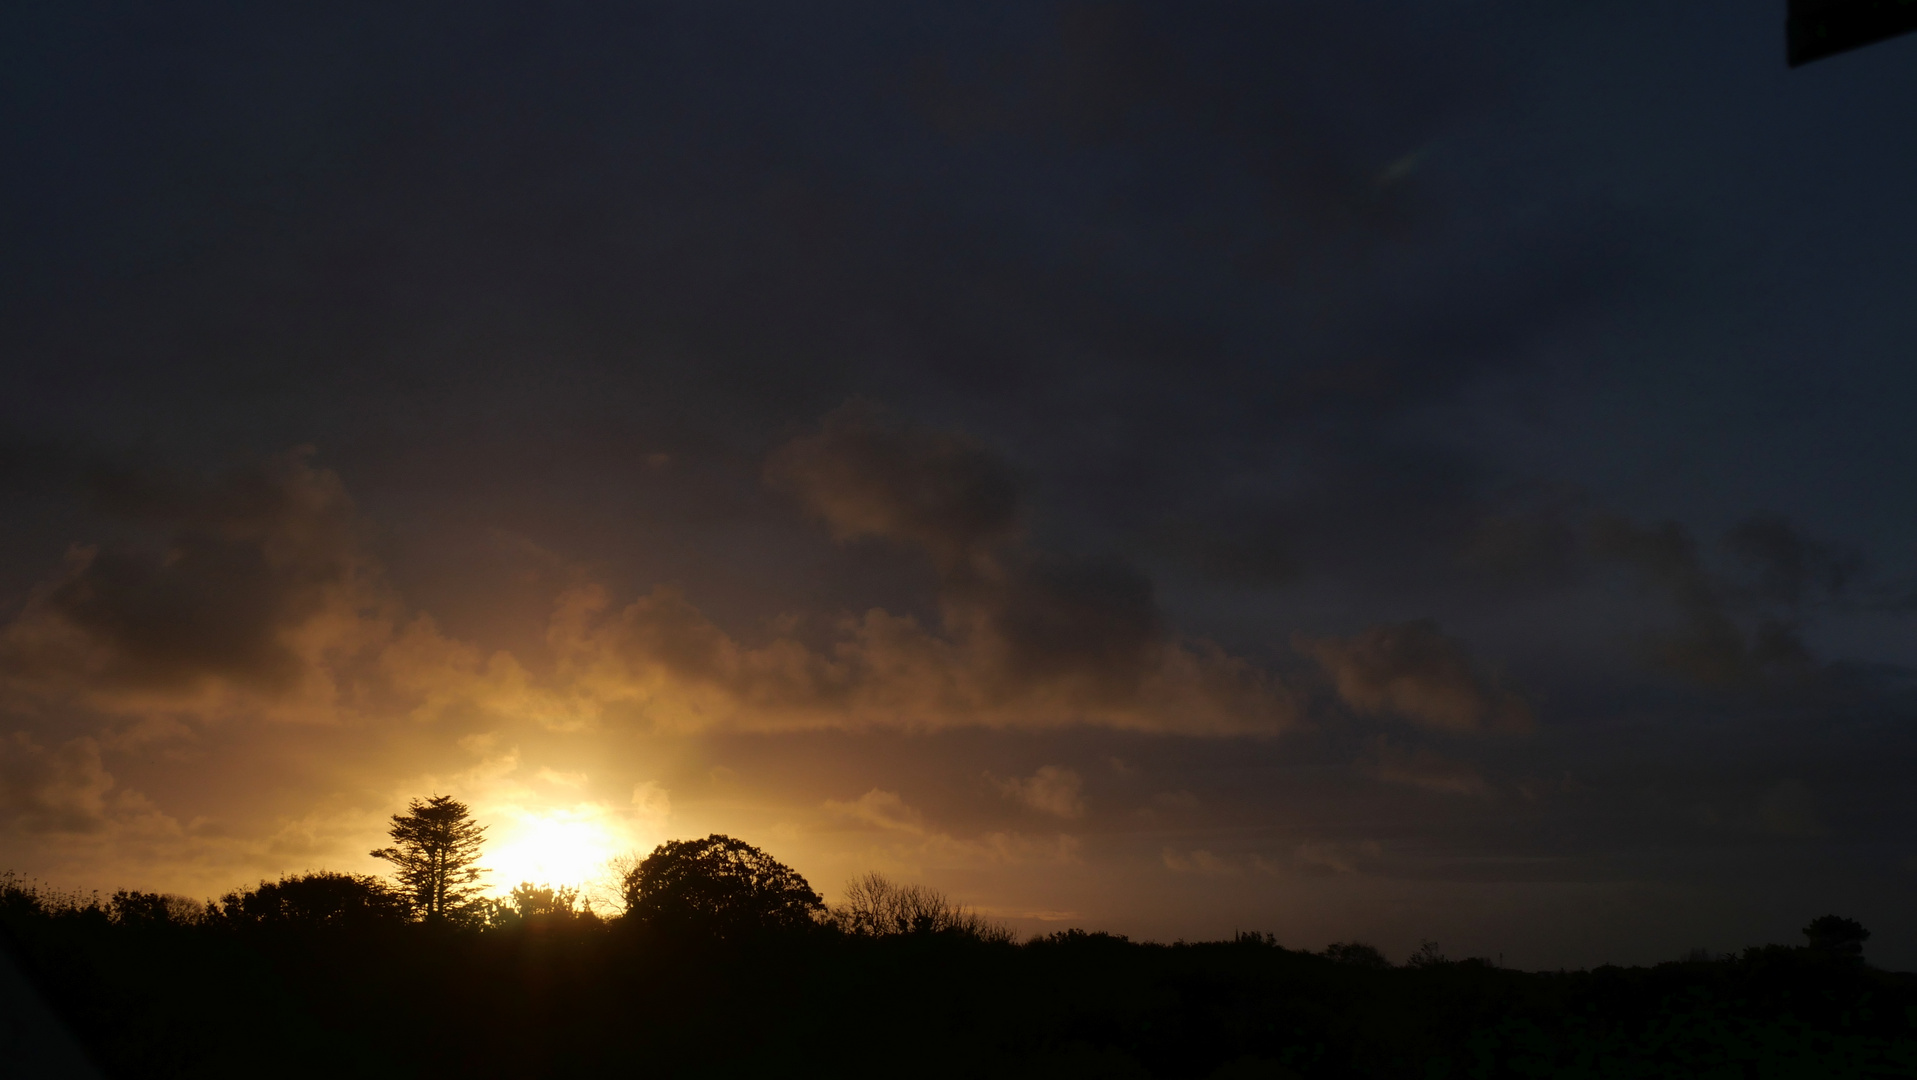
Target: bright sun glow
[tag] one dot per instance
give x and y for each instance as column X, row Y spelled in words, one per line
column 567, row 846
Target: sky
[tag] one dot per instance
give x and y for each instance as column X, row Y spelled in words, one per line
column 1384, row 470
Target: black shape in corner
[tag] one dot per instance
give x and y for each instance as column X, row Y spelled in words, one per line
column 1819, row 28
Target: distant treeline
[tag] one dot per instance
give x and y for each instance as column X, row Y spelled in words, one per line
column 720, row 967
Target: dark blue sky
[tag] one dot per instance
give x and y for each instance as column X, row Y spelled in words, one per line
column 1364, row 469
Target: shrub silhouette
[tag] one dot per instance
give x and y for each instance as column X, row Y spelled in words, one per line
column 316, row 901
column 719, row 888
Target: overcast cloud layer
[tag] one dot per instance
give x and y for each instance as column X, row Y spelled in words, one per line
column 1375, row 470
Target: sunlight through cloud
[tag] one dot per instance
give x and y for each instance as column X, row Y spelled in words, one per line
column 560, row 846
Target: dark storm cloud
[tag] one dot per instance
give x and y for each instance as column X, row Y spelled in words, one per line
column 57, row 789
column 1422, row 768
column 1413, row 671
column 1161, row 234
column 450, row 216
column 35, row 466
column 1711, row 645
column 1522, row 547
column 1068, row 618
column 1308, row 156
column 870, row 473
column 1037, row 617
column 1791, row 567
column 1243, row 549
column 1027, row 639
column 244, row 579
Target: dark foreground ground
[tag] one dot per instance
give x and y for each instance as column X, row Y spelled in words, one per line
column 578, row 997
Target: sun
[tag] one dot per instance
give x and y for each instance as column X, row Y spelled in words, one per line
column 565, row 846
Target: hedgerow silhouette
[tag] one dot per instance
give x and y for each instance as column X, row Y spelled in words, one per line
column 744, row 972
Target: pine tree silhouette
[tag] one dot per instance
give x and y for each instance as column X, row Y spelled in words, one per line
column 435, row 846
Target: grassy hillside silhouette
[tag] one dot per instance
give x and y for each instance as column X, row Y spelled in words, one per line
column 713, row 973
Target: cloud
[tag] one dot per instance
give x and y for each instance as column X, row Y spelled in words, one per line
column 1242, row 549
column 1026, row 637
column 651, row 802
column 249, row 598
column 1169, row 807
column 1335, row 857
column 1423, row 768
column 244, row 600
column 1050, row 790
column 433, row 677
column 909, row 839
column 1414, row 671
column 1044, row 619
column 1789, row 809
column 60, row 789
column 1791, row 567
column 1033, row 616
column 1200, row 862
column 881, row 810
column 59, row 797
column 1710, row 647
column 1523, row 548
column 254, row 581
column 867, row 472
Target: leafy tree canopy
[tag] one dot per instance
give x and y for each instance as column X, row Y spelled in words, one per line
column 719, row 887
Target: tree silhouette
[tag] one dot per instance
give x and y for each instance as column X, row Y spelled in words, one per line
column 875, row 906
column 435, row 846
column 532, row 901
column 155, row 909
column 1358, row 953
column 1834, row 935
column 719, row 887
column 538, row 905
column 1427, row 956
